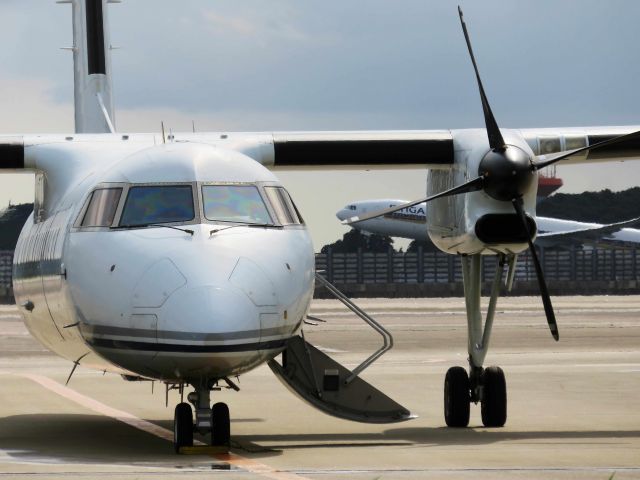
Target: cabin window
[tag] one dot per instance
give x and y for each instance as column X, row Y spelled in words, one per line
column 102, row 207
column 147, row 205
column 285, row 210
column 234, row 203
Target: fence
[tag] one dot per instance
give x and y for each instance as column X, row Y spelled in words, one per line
column 602, row 264
column 6, row 257
column 425, row 273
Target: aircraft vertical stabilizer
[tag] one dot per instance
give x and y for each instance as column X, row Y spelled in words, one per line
column 92, row 66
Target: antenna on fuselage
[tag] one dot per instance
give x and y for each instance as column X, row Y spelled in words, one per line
column 164, row 140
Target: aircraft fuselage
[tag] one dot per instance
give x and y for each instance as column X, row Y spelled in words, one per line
column 155, row 301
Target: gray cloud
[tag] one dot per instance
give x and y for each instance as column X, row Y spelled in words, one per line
column 543, row 62
column 264, row 65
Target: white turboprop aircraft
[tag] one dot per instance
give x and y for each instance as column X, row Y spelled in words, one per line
column 411, row 223
column 182, row 258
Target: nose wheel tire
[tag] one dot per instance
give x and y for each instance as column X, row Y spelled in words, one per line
column 494, row 398
column 220, row 425
column 457, row 399
column 182, row 426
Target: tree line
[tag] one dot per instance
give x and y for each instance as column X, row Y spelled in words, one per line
column 597, row 207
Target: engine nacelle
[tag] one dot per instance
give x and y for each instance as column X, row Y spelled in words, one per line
column 477, row 222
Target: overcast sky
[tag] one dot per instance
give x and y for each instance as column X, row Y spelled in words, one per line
column 332, row 65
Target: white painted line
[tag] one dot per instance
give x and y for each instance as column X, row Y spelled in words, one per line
column 329, row 350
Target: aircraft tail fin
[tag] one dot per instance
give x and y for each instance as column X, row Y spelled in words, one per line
column 93, row 94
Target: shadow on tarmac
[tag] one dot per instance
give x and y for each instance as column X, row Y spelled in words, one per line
column 425, row 437
column 98, row 439
column 78, row 438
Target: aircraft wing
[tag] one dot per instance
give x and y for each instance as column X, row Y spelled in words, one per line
column 590, row 233
column 433, row 149
column 547, row 141
column 290, row 151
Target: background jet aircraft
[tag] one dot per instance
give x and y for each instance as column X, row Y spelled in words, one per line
column 411, row 223
column 180, row 256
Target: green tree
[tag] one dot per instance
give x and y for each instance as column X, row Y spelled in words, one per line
column 11, row 222
column 599, row 207
column 353, row 239
column 427, row 246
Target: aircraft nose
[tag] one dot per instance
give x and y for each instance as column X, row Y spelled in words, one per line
column 209, row 315
column 343, row 214
column 206, row 291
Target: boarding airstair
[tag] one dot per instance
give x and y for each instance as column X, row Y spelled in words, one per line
column 330, row 387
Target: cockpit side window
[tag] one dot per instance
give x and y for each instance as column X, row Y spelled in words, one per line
column 234, row 203
column 102, row 207
column 286, row 211
column 152, row 204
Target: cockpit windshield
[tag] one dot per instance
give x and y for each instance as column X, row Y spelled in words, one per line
column 158, row 204
column 234, row 203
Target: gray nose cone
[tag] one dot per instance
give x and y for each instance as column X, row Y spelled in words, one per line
column 507, row 173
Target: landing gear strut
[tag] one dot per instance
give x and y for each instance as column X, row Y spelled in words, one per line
column 487, row 386
column 209, row 420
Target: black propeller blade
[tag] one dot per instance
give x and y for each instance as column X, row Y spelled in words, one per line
column 547, row 160
column 471, row 186
column 544, row 292
column 493, row 131
column 508, row 173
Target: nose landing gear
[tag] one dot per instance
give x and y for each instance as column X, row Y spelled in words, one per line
column 214, row 420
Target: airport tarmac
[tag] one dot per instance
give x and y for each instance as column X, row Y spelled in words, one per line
column 574, row 405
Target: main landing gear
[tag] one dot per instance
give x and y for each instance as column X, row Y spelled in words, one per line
column 484, row 385
column 214, row 420
column 487, row 387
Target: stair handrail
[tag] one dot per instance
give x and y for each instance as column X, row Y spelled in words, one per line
column 386, row 335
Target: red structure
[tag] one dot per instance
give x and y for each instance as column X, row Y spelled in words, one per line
column 548, row 182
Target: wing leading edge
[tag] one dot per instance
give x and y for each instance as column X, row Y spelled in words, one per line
column 322, row 150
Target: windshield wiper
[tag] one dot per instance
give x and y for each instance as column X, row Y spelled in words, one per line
column 252, row 225
column 185, row 230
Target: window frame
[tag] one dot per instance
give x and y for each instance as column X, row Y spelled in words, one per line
column 198, row 204
column 90, row 201
column 125, row 195
column 257, row 185
column 77, row 225
column 289, row 205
